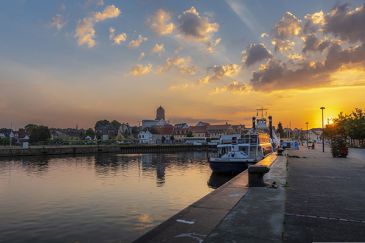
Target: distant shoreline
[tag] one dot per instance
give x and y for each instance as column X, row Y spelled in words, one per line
column 95, row 149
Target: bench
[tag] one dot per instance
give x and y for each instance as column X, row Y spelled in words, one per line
column 257, row 171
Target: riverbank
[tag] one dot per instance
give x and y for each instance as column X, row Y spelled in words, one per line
column 315, row 198
column 197, row 222
column 94, row 149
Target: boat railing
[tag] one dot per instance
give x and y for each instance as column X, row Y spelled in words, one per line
column 250, row 141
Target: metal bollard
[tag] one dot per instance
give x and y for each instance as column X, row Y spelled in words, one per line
column 256, row 175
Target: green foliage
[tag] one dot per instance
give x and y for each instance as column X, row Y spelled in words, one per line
column 339, row 147
column 115, row 124
column 30, row 127
column 4, row 141
column 101, row 123
column 90, row 132
column 190, row 134
column 38, row 133
column 347, row 126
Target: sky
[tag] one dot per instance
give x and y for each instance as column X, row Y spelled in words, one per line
column 72, row 62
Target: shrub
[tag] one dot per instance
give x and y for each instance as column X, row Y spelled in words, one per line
column 339, row 147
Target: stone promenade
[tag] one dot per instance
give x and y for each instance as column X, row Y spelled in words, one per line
column 325, row 198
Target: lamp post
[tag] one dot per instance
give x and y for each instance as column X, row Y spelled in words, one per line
column 307, row 133
column 322, row 108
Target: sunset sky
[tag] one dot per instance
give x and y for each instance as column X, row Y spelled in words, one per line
column 68, row 62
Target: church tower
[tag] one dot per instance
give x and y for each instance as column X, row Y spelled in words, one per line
column 160, row 113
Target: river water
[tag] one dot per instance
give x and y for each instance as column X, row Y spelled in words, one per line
column 99, row 198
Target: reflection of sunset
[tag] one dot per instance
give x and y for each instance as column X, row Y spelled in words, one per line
column 115, row 193
column 145, row 218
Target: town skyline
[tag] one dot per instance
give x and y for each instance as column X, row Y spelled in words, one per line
column 90, row 60
column 259, row 113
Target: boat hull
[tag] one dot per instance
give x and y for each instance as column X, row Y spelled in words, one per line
column 227, row 167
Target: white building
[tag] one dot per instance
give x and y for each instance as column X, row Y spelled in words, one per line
column 314, row 135
column 145, row 137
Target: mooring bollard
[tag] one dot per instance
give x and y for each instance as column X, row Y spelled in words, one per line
column 256, row 175
column 280, row 151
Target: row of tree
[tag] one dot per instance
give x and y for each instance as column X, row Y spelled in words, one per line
column 350, row 126
column 38, row 133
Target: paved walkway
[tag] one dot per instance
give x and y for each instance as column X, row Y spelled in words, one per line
column 258, row 217
column 357, row 153
column 325, row 198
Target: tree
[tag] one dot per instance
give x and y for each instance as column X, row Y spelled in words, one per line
column 280, row 130
column 101, row 123
column 115, row 124
column 30, row 127
column 189, row 134
column 90, row 132
column 38, row 133
column 350, row 126
column 4, row 141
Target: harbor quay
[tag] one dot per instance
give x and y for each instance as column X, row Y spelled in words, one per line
column 308, row 196
column 325, row 197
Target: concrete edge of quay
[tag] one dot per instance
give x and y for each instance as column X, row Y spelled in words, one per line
column 94, row 149
column 259, row 216
column 217, row 217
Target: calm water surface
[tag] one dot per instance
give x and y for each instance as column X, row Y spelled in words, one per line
column 101, row 198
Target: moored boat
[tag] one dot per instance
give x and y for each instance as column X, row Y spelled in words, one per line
column 238, row 155
column 243, row 150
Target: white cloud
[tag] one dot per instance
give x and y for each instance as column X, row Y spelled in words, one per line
column 285, row 30
column 158, row 48
column 182, row 64
column 140, row 69
column 137, row 42
column 218, row 72
column 117, row 38
column 85, row 31
column 212, row 45
column 109, row 12
column 161, row 23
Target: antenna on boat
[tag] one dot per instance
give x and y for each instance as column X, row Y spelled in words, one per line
column 262, row 112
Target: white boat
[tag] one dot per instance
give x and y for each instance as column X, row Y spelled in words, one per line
column 238, row 155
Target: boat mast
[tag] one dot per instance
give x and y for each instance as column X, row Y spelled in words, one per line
column 262, row 112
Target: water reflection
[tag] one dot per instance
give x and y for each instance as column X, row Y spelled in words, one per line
column 32, row 165
column 216, row 179
column 74, row 198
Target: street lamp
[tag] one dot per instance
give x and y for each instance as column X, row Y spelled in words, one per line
column 322, row 108
column 307, row 133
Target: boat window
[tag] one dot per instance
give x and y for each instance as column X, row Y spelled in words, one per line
column 244, row 149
